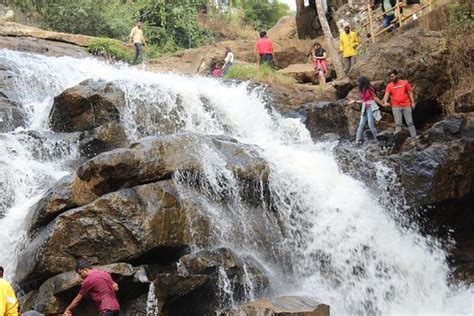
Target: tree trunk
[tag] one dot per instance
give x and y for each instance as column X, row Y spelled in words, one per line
column 336, row 59
column 299, row 5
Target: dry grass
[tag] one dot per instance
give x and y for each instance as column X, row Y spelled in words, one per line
column 226, row 27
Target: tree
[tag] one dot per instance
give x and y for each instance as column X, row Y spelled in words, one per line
column 336, row 60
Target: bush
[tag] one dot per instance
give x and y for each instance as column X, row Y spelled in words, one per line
column 109, row 48
column 263, row 73
column 461, row 18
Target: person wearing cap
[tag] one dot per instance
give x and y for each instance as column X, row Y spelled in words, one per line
column 348, row 45
column 8, row 301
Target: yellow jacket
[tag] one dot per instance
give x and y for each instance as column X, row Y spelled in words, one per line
column 348, row 43
column 8, row 301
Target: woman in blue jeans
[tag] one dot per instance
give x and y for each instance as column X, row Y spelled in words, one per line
column 369, row 108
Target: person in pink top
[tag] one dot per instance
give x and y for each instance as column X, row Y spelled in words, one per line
column 369, row 101
column 320, row 65
column 100, row 287
column 264, row 48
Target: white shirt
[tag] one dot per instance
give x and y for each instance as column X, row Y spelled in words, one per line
column 229, row 58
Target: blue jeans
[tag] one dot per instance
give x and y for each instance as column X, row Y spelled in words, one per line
column 365, row 116
column 387, row 19
column 138, row 52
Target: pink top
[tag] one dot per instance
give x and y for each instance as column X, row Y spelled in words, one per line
column 367, row 94
column 99, row 286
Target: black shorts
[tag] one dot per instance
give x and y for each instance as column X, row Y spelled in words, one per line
column 110, row 313
column 266, row 59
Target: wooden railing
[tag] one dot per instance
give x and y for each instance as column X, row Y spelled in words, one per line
column 373, row 16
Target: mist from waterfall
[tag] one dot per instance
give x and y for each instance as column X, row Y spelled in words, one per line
column 335, row 240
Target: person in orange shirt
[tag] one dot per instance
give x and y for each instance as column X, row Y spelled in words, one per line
column 264, row 47
column 403, row 102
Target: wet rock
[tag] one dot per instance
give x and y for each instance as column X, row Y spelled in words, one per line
column 445, row 130
column 158, row 158
column 11, row 115
column 198, row 287
column 86, row 106
column 121, row 226
column 323, row 118
column 101, row 139
column 56, row 293
column 41, row 46
column 283, row 306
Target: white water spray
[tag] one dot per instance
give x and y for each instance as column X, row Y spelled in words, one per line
column 343, row 246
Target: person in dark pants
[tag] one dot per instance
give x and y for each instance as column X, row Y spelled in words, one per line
column 264, row 47
column 137, row 38
column 100, row 287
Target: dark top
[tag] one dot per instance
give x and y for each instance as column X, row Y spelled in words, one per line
column 319, row 52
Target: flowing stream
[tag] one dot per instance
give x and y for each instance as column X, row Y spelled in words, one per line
column 337, row 241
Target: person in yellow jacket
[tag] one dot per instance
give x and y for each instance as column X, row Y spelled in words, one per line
column 8, row 301
column 348, row 46
column 137, row 38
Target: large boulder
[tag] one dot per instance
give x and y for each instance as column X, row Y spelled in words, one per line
column 303, row 73
column 285, row 28
column 327, row 117
column 147, row 220
column 12, row 115
column 208, row 281
column 86, row 106
column 281, row 306
column 101, row 139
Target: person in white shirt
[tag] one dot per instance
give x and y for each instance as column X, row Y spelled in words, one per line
column 228, row 61
column 137, row 38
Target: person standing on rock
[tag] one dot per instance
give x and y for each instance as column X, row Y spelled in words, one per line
column 264, row 47
column 403, row 102
column 100, row 287
column 348, row 45
column 369, row 110
column 137, row 38
column 228, row 60
column 8, row 301
column 319, row 55
column 388, row 13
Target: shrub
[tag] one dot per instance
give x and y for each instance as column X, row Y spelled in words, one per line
column 461, row 18
column 109, row 48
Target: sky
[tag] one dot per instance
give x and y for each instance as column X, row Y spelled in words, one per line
column 290, row 3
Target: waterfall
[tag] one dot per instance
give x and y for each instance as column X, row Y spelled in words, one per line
column 336, row 240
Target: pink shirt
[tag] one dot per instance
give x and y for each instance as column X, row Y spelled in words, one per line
column 367, row 96
column 98, row 285
column 264, row 46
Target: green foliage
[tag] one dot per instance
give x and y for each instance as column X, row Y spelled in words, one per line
column 109, row 48
column 174, row 24
column 461, row 18
column 262, row 73
column 261, row 14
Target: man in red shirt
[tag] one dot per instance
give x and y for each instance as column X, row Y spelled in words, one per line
column 264, row 49
column 100, row 287
column 403, row 102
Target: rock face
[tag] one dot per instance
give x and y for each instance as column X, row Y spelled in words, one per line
column 11, row 114
column 303, row 73
column 123, row 206
column 325, row 117
column 86, row 106
column 284, row 29
column 281, row 306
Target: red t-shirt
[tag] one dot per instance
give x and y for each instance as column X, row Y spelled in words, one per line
column 264, row 46
column 399, row 93
column 98, row 285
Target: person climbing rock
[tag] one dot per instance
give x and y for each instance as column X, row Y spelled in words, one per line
column 348, row 45
column 8, row 301
column 388, row 13
column 369, row 111
column 228, row 60
column 319, row 56
column 216, row 72
column 264, row 47
column 99, row 286
column 137, row 38
column 403, row 102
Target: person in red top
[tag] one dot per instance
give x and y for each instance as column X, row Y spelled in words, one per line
column 403, row 102
column 264, row 49
column 100, row 287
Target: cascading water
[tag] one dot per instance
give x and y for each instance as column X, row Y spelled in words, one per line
column 334, row 239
